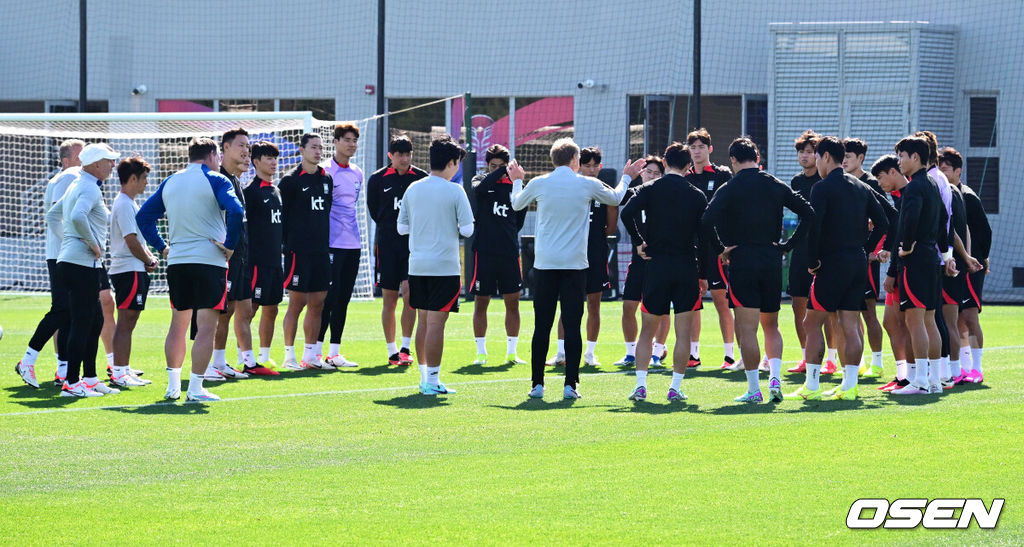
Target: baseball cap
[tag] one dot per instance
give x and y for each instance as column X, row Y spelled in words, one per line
column 96, row 152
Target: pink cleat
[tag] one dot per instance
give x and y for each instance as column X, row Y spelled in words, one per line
column 974, row 377
column 802, row 367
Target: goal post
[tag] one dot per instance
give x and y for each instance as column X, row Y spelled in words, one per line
column 29, row 157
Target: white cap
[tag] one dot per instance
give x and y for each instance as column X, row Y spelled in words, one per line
column 96, row 152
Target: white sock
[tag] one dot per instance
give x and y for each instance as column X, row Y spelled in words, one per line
column 976, row 358
column 677, row 380
column 110, row 360
column 433, row 375
column 876, row 359
column 174, row 379
column 62, row 369
column 935, row 378
column 423, row 374
column 849, row 377
column 481, row 345
column 309, row 352
column 264, row 354
column 30, row 357
column 911, row 372
column 729, row 351
column 195, row 383
column 591, row 346
column 965, row 358
column 813, row 375
column 407, row 342
column 318, row 348
column 833, row 355
column 512, row 345
column 560, row 346
column 658, row 349
column 753, row 382
column 944, row 368
column 695, row 349
column 334, row 349
column 220, row 358
column 954, row 369
column 641, row 378
column 247, row 358
column 775, row 368
column 631, row 348
column 392, row 348
column 923, row 368
column 901, row 370
column 803, row 355
column 289, row 353
column 119, row 371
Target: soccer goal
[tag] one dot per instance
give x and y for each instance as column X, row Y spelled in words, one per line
column 29, row 158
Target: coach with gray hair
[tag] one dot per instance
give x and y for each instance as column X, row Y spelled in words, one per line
column 563, row 211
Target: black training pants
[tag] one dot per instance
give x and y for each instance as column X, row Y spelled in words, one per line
column 56, row 318
column 550, row 288
column 344, row 269
column 83, row 289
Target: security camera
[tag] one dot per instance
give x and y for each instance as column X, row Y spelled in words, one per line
column 139, row 90
column 585, row 84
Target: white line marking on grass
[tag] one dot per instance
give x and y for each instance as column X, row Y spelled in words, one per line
column 345, row 391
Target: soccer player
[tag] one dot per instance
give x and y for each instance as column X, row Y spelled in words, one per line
column 306, row 198
column 745, row 217
column 632, row 290
column 56, row 318
column 234, row 145
column 799, row 278
column 853, row 163
column 496, row 268
column 384, row 191
column 836, row 258
column 204, row 222
column 603, row 222
column 978, row 243
column 130, row 264
column 434, row 213
column 83, row 219
column 708, row 178
column 563, row 199
column 670, row 242
column 263, row 215
column 921, row 227
column 345, row 244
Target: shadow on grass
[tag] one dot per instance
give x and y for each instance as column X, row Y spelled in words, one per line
column 165, row 408
column 382, row 369
column 477, row 370
column 414, row 401
column 645, row 407
column 47, row 396
column 541, row 404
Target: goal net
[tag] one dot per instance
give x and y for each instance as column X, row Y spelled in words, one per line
column 29, row 158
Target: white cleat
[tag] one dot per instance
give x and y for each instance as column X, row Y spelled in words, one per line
column 591, row 360
column 128, row 380
column 172, row 394
column 201, row 396
column 317, row 363
column 228, row 372
column 101, row 388
column 78, row 389
column 557, row 361
column 212, row 374
column 27, row 373
column 291, row 364
column 339, row 361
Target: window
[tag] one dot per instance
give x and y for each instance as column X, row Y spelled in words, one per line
column 983, row 122
column 666, row 118
column 72, row 106
column 983, row 178
column 22, row 107
column 755, row 124
column 322, row 109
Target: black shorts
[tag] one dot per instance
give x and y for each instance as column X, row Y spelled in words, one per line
column 434, row 293
column 919, row 287
column 267, row 284
column 717, row 273
column 391, row 267
column 755, row 278
column 799, row 281
column 671, row 283
column 839, row 282
column 872, row 286
column 239, row 281
column 197, row 286
column 104, row 279
column 954, row 289
column 495, row 274
column 58, row 291
column 974, row 283
column 130, row 290
column 307, row 272
column 597, row 271
column 633, row 288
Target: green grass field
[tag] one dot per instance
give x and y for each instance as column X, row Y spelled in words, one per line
column 358, row 456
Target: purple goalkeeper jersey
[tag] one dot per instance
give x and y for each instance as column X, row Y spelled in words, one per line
column 348, row 181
